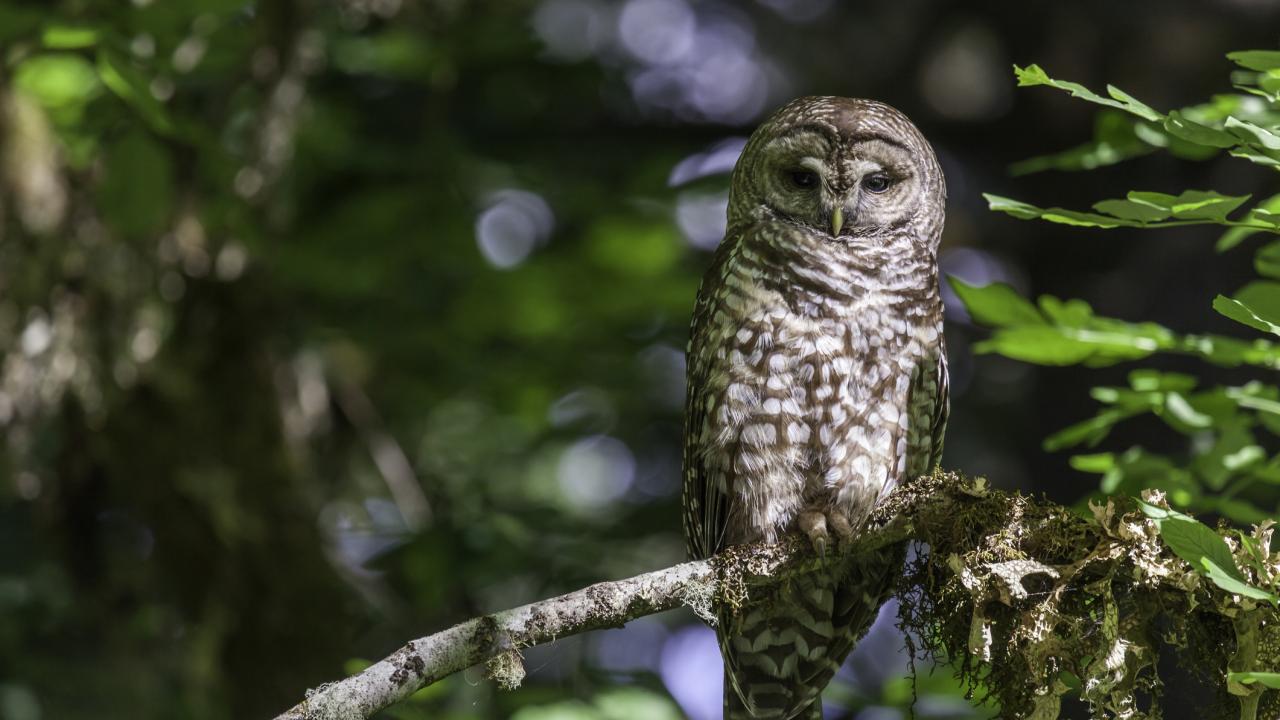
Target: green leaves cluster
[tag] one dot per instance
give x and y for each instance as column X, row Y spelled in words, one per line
column 1225, row 427
column 1224, row 465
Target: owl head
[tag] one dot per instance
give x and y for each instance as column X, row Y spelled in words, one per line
column 842, row 168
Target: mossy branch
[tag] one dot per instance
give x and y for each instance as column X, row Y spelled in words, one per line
column 1027, row 597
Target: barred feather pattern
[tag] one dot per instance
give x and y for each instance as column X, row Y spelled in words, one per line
column 817, row 380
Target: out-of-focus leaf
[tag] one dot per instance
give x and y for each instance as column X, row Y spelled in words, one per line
column 1178, row 407
column 1116, row 137
column 996, row 304
column 1148, row 380
column 1267, row 260
column 127, row 82
column 1094, row 463
column 1229, row 452
column 59, row 81
column 136, row 193
column 1137, row 469
column 1237, row 511
column 1044, row 345
column 1088, row 432
column 1072, row 312
column 69, row 37
column 1261, row 60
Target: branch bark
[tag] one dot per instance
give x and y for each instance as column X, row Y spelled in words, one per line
column 1047, row 567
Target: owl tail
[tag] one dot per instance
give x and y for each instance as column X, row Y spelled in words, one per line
column 783, row 647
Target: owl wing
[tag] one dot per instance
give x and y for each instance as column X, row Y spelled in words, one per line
column 706, row 504
column 941, row 410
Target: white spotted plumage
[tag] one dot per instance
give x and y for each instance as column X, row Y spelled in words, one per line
column 817, row 377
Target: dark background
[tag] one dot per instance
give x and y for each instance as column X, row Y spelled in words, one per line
column 328, row 325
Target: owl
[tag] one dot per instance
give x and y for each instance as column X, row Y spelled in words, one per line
column 817, row 380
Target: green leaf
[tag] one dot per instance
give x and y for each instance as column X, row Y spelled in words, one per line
column 1255, row 155
column 1246, row 315
column 1116, row 137
column 1130, row 210
column 1253, row 134
column 1199, row 545
column 1087, row 432
column 1262, row 60
column 58, row 81
column 1260, row 214
column 1083, row 219
column 1267, row 260
column 1263, row 298
column 1015, row 208
column 1146, row 380
column 1035, row 75
column 1137, row 469
column 1177, row 406
column 1269, row 679
column 1193, row 132
column 1228, row 578
column 995, row 305
column 1041, row 344
column 1191, row 204
column 1072, row 312
column 69, row 37
column 1237, row 511
column 1139, row 209
column 1095, row 463
column 127, row 82
column 1204, row 549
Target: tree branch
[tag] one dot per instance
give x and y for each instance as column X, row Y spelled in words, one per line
column 1015, row 589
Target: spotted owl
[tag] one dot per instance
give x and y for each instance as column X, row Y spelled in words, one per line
column 817, row 380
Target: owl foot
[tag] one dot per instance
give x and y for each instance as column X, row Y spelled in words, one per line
column 820, row 525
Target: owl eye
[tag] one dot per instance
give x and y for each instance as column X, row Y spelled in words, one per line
column 803, row 179
column 877, row 182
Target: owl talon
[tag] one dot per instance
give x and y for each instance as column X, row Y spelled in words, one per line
column 813, row 523
column 839, row 525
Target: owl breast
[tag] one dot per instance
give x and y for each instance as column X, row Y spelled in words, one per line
column 810, row 397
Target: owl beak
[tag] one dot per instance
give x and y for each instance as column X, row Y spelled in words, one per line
column 837, row 221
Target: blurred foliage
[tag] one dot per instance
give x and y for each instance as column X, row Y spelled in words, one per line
column 325, row 325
